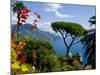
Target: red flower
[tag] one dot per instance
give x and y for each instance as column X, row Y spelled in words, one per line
column 20, row 48
column 24, row 13
column 24, row 58
column 23, row 16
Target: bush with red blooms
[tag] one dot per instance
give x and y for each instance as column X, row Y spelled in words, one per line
column 23, row 59
column 20, row 47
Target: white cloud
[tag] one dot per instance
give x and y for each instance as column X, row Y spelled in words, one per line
column 46, row 26
column 63, row 15
column 54, row 8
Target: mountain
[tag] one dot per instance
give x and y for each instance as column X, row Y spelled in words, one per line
column 25, row 32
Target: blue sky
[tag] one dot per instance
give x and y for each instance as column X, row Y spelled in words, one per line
column 59, row 12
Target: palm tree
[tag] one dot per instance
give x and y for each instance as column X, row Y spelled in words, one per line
column 89, row 42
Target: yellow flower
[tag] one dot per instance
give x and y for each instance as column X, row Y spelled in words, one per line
column 15, row 66
column 24, row 68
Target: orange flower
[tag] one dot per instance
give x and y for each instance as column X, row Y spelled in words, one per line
column 20, row 48
column 17, row 53
column 34, row 56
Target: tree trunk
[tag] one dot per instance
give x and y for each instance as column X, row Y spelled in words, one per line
column 68, row 49
column 70, row 45
column 66, row 46
column 18, row 27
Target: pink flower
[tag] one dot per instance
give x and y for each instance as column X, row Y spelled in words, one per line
column 39, row 16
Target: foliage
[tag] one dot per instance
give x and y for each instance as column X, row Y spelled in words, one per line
column 41, row 55
column 16, row 7
column 69, row 63
column 45, row 60
column 92, row 20
column 89, row 42
column 53, row 63
column 68, row 27
column 18, row 68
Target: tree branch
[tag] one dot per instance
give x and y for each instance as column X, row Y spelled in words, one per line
column 73, row 38
column 66, row 35
column 76, row 42
column 64, row 38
